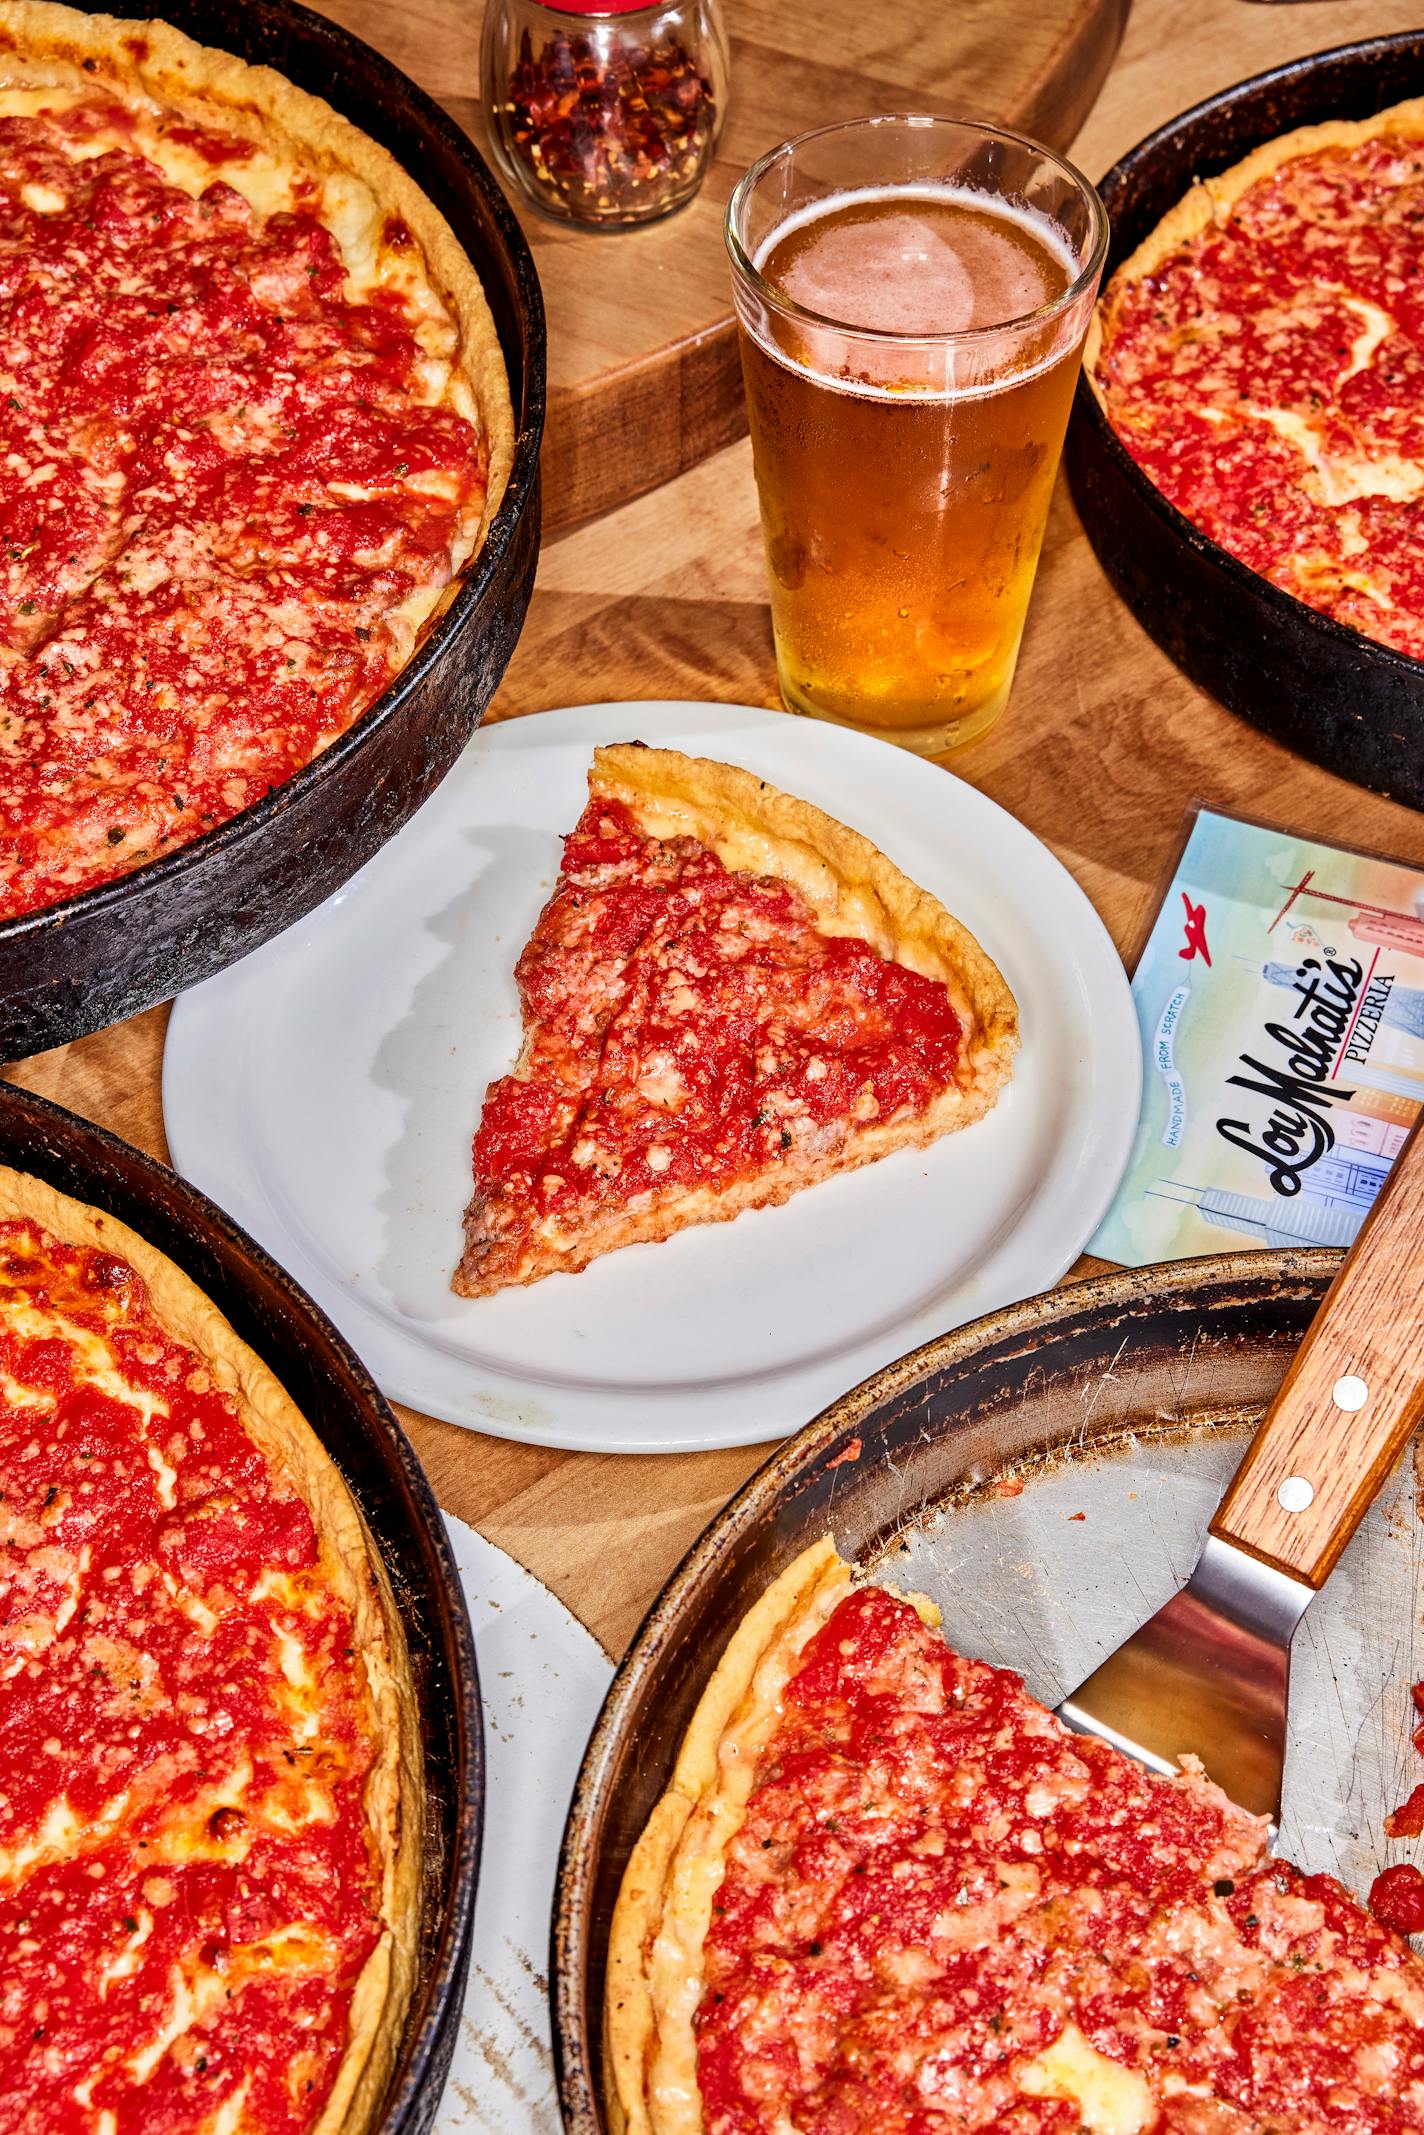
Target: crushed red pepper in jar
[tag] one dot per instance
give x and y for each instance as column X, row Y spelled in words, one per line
column 603, row 120
column 611, row 131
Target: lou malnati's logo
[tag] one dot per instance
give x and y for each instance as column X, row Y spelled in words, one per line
column 1288, row 1129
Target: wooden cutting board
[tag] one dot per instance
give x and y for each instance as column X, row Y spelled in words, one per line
column 643, row 373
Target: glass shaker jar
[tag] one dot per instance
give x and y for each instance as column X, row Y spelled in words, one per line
column 604, row 114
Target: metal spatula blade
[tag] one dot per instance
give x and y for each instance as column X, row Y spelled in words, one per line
column 1209, row 1675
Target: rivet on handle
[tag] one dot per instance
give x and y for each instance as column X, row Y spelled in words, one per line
column 1349, row 1393
column 1295, row 1493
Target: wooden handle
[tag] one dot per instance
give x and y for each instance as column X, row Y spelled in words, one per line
column 1350, row 1400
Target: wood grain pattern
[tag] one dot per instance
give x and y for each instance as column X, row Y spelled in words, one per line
column 644, row 378
column 1102, row 749
column 1371, row 1329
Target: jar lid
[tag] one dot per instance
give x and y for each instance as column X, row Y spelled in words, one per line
column 603, row 7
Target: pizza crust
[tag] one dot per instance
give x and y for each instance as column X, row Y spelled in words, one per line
column 1211, row 200
column 395, row 1786
column 852, row 890
column 151, row 65
column 653, row 1975
column 654, row 1967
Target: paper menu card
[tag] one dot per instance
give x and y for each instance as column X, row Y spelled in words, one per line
column 1281, row 1004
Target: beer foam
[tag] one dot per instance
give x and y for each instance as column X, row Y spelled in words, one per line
column 921, row 276
column 907, row 272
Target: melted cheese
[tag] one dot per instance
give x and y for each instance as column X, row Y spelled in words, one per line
column 91, row 1362
column 190, row 2001
column 193, row 1606
column 274, row 1585
column 1340, row 480
column 304, row 1700
column 129, row 1958
column 1377, row 326
column 61, row 1835
column 228, row 2117
column 91, row 1359
column 17, row 1396
column 1111, row 2099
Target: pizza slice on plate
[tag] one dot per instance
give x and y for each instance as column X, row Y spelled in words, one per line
column 728, row 996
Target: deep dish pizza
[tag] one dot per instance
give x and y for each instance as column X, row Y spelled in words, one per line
column 253, row 423
column 1261, row 356
column 729, row 996
column 209, row 1771
column 889, row 1894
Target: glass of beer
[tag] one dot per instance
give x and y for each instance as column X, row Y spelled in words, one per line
column 912, row 296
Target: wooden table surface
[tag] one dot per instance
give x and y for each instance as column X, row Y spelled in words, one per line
column 1103, row 747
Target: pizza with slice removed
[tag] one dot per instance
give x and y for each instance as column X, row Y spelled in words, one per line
column 728, row 996
column 888, row 1893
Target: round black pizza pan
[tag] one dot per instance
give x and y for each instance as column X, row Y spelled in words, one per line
column 340, row 1401
column 117, row 949
column 1143, row 1350
column 1321, row 688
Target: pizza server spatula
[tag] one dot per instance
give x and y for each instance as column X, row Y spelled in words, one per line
column 1209, row 1674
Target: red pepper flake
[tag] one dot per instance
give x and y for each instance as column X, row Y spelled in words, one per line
column 1397, row 1899
column 1077, row 1515
column 1009, row 1487
column 850, row 1452
column 610, row 130
column 1407, row 1821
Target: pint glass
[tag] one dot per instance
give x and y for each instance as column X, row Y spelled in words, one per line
column 912, row 296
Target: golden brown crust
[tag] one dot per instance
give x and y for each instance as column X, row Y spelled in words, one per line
column 350, row 1563
column 152, row 62
column 654, row 1969
column 1211, row 200
column 852, row 889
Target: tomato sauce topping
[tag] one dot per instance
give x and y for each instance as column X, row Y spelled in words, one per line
column 693, row 1026
column 218, row 484
column 1397, row 1898
column 934, row 1881
column 187, row 1891
column 1269, row 377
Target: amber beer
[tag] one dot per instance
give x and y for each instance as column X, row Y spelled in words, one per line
column 910, row 351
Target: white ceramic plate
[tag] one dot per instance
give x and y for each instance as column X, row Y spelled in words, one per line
column 542, row 1679
column 325, row 1091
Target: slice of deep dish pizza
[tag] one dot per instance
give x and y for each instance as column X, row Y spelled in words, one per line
column 728, row 996
column 888, row 1893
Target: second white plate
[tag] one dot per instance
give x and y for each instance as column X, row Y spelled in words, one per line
column 325, row 1090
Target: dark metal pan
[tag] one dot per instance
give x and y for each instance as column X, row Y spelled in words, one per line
column 1047, row 1475
column 116, row 949
column 1312, row 683
column 334, row 1393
